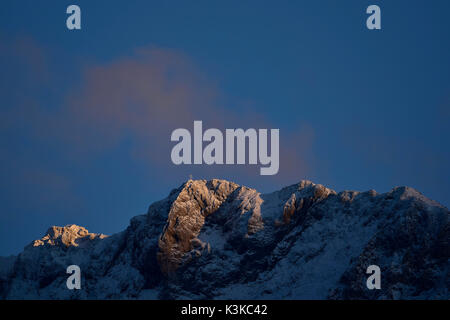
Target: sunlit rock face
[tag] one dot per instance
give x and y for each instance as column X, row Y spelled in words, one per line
column 195, row 202
column 70, row 235
column 218, row 240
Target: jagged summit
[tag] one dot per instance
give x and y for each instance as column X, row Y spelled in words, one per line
column 196, row 200
column 70, row 235
column 217, row 239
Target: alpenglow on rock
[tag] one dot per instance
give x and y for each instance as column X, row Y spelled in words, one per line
column 218, row 240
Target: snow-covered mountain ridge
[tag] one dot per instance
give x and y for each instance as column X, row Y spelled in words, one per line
column 218, row 240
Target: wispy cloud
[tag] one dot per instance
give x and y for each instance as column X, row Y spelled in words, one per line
column 140, row 99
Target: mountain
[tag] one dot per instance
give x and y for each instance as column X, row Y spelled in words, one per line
column 218, row 240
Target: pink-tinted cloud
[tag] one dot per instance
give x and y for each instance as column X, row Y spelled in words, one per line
column 141, row 99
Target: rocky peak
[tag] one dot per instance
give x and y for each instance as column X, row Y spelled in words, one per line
column 408, row 193
column 299, row 197
column 70, row 235
column 196, row 200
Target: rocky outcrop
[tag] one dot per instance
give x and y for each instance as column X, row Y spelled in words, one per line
column 70, row 235
column 218, row 240
column 196, row 201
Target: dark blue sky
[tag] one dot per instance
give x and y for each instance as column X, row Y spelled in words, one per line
column 86, row 115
